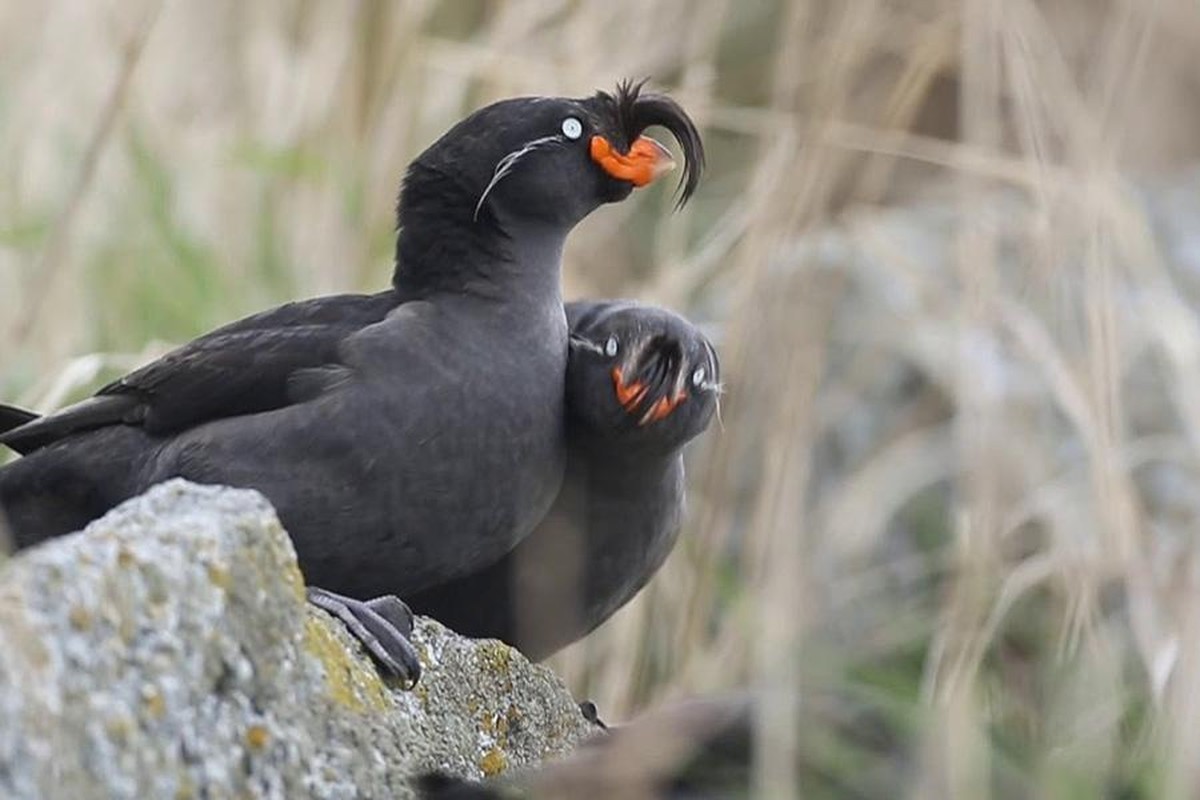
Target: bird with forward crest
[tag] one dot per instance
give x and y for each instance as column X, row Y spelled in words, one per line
column 405, row 437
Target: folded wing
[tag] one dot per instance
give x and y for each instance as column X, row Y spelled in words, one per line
column 259, row 363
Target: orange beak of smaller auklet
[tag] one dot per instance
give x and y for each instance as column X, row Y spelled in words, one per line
column 646, row 161
column 631, row 395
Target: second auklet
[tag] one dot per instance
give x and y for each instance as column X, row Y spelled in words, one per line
column 641, row 383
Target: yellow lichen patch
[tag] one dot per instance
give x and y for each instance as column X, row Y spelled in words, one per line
column 80, row 618
column 21, row 640
column 493, row 762
column 155, row 705
column 349, row 682
column 283, row 555
column 119, row 728
column 511, row 719
column 294, row 580
column 219, row 576
column 126, row 627
column 257, row 737
column 421, row 692
column 495, row 657
column 498, row 726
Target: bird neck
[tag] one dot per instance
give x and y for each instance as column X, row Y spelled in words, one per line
column 442, row 248
column 629, row 460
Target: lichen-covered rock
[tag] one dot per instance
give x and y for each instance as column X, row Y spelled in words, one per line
column 167, row 651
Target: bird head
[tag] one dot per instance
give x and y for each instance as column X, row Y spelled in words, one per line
column 542, row 163
column 639, row 374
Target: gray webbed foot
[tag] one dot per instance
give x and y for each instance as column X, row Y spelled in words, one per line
column 383, row 626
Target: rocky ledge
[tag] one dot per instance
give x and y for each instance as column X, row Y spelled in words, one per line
column 167, row 651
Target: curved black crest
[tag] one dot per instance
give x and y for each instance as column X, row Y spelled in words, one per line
column 636, row 111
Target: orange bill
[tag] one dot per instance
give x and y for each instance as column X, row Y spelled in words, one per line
column 628, row 395
column 662, row 408
column 646, row 160
column 631, row 395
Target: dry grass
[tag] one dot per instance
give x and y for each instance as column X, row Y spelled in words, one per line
column 949, row 521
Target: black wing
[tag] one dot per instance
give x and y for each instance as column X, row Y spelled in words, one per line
column 13, row 417
column 259, row 363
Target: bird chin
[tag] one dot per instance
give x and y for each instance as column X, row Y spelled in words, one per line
column 616, row 190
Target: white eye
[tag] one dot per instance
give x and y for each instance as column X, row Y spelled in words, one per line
column 572, row 128
column 610, row 347
column 698, row 376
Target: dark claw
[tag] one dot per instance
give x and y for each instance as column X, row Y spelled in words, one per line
column 382, row 626
column 592, row 714
column 395, row 611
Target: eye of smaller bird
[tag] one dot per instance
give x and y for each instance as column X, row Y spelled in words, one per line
column 572, row 128
column 611, row 347
column 698, row 376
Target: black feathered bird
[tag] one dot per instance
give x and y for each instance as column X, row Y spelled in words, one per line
column 641, row 383
column 405, row 437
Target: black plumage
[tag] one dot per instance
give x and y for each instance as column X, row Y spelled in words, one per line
column 641, row 383
column 405, row 437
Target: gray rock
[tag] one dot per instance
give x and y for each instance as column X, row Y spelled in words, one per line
column 167, row 652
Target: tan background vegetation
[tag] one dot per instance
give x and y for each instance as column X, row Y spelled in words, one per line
column 928, row 523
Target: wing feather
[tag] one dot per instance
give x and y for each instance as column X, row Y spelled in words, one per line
column 259, row 363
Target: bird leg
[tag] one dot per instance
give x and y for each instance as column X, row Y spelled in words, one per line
column 383, row 626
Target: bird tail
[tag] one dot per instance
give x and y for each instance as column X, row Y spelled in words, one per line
column 13, row 417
